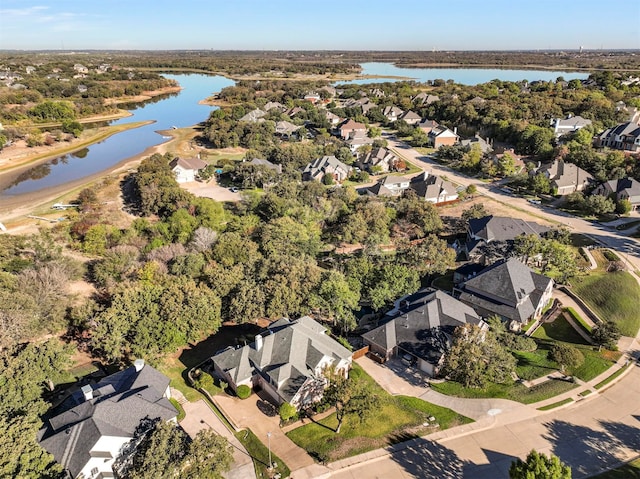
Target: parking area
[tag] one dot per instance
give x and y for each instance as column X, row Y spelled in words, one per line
column 212, row 190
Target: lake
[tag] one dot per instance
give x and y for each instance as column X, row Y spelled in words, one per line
column 179, row 110
column 464, row 76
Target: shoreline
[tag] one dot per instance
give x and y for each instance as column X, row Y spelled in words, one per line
column 14, row 207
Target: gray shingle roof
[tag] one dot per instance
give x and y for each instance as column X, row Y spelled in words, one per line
column 501, row 228
column 119, row 403
column 188, row 163
column 508, row 288
column 420, row 326
column 290, row 353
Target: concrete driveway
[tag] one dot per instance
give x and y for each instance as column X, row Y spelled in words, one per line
column 199, row 416
column 211, row 190
column 256, row 414
column 396, row 378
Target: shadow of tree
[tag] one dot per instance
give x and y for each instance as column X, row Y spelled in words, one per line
column 410, row 374
column 428, row 459
column 589, row 450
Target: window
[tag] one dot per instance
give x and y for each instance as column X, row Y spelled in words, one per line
column 94, row 472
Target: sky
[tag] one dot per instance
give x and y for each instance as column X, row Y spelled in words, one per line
column 319, row 25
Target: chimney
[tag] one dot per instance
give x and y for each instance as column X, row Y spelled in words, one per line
column 138, row 364
column 455, row 130
column 258, row 342
column 87, row 390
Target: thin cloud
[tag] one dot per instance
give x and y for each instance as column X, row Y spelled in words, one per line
column 22, row 12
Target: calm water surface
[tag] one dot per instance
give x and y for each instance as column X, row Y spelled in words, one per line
column 464, row 76
column 179, row 110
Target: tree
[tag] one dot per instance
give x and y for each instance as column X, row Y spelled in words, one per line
column 539, row 466
column 349, row 395
column 623, row 207
column 598, row 205
column 566, row 356
column 606, row 334
column 475, row 211
column 160, row 453
column 540, row 184
column 431, row 255
column 338, row 300
column 208, row 457
column 327, row 179
column 477, row 358
column 287, row 411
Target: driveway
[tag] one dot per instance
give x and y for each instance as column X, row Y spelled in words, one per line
column 199, row 416
column 396, row 378
column 211, row 190
column 262, row 418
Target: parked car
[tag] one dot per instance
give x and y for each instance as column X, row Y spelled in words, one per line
column 233, row 189
column 408, row 360
column 534, row 202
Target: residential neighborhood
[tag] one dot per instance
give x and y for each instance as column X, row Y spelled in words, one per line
column 319, row 263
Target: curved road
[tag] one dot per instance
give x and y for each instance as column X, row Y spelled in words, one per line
column 628, row 247
column 593, row 435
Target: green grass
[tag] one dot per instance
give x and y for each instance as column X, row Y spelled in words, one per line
column 260, row 455
column 555, row 404
column 585, row 393
column 397, row 419
column 578, row 319
column 607, row 380
column 529, row 325
column 177, row 379
column 559, row 330
column 613, row 296
column 515, row 392
column 178, row 406
column 627, row 471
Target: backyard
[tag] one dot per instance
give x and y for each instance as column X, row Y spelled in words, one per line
column 397, row 419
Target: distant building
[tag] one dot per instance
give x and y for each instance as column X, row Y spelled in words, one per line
column 442, row 136
column 253, row 116
column 433, row 189
column 624, row 189
column 563, row 126
column 381, row 160
column 625, row 136
column 390, row 185
column 186, row 169
column 327, row 165
column 565, row 178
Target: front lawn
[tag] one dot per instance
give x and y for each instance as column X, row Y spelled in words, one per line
column 397, row 419
column 515, row 392
column 260, row 455
column 613, row 296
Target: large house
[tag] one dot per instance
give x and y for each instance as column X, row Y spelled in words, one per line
column 624, row 189
column 484, row 145
column 433, row 189
column 442, row 136
column 352, row 128
column 565, row 178
column 390, row 185
column 411, row 117
column 490, row 230
column 563, row 126
column 254, row 116
column 625, row 136
column 326, row 165
column 422, row 327
column 378, row 160
column 286, row 361
column 266, row 164
column 87, row 432
column 186, row 169
column 392, row 113
column 509, row 289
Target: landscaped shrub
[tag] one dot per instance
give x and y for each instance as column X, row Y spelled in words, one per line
column 610, row 255
column 287, row 412
column 243, row 391
column 203, row 381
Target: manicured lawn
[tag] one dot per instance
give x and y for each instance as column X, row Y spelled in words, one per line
column 613, row 296
column 515, row 392
column 260, row 455
column 606, row 381
column 559, row 330
column 397, row 419
column 178, row 406
column 548, row 407
column 628, row 471
column 579, row 320
column 176, row 373
column 534, row 364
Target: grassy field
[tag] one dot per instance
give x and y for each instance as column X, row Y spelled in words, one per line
column 397, row 419
column 548, row 407
column 613, row 296
column 607, row 380
column 628, row 471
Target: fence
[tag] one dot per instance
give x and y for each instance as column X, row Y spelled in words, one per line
column 360, row 352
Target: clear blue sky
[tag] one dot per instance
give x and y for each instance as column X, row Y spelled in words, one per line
column 327, row 24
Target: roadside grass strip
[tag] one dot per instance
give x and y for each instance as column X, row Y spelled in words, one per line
column 611, row 378
column 555, row 404
column 260, row 455
column 578, row 319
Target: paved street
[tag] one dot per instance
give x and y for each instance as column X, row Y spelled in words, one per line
column 629, row 248
column 595, row 434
